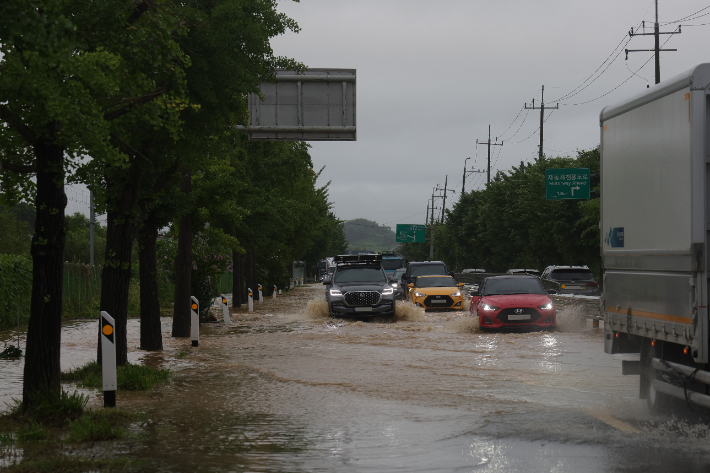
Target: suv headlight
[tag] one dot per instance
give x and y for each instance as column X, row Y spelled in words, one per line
column 547, row 306
column 335, row 292
column 419, row 294
column 485, row 306
column 456, row 294
column 387, row 291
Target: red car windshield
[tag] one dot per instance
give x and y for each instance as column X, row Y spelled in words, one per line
column 507, row 286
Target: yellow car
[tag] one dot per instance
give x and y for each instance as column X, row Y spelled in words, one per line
column 436, row 292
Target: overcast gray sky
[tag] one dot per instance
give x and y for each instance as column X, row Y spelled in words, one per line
column 432, row 75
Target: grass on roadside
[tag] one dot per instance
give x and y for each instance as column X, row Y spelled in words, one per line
column 70, row 464
column 100, row 425
column 129, row 377
column 50, row 407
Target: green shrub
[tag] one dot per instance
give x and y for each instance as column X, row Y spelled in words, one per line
column 81, row 296
column 31, row 431
column 6, row 438
column 95, row 426
column 15, row 290
column 129, row 377
column 50, row 406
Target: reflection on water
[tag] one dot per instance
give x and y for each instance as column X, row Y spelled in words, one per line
column 286, row 388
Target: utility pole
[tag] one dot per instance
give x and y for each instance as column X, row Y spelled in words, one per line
column 542, row 109
column 463, row 185
column 489, row 144
column 443, row 207
column 431, row 227
column 657, row 41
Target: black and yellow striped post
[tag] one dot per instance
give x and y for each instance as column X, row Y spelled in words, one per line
column 225, row 310
column 250, row 300
column 194, row 321
column 108, row 358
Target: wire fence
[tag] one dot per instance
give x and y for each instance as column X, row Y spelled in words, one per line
column 82, row 290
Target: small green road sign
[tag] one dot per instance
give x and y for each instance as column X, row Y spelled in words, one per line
column 572, row 183
column 410, row 233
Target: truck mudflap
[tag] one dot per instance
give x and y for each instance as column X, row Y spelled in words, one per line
column 676, row 380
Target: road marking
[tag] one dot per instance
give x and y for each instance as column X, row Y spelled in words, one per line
column 616, row 423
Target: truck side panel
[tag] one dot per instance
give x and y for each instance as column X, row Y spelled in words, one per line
column 653, row 223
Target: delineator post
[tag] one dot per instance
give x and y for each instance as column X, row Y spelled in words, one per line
column 108, row 358
column 194, row 321
column 225, row 310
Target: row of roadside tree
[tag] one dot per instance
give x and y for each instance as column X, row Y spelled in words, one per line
column 510, row 224
column 139, row 101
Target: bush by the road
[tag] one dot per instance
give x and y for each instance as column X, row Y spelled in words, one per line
column 15, row 290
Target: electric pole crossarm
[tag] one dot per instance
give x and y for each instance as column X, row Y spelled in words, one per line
column 657, row 49
column 489, row 144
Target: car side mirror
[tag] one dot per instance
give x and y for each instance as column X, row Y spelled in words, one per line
column 327, row 280
column 475, row 293
column 410, row 284
column 461, row 284
column 451, row 273
column 551, row 291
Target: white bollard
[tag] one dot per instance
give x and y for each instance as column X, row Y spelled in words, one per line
column 108, row 358
column 261, row 297
column 225, row 310
column 194, row 321
column 279, row 292
column 301, row 281
column 250, row 299
column 274, row 294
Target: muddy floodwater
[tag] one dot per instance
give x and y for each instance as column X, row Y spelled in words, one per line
column 286, row 389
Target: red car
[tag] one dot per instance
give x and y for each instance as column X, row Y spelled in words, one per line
column 513, row 302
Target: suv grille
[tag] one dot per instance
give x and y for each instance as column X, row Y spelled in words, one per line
column 429, row 301
column 534, row 315
column 362, row 298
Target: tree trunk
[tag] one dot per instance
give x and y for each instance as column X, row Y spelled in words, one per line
column 183, row 267
column 151, row 336
column 238, row 279
column 249, row 273
column 115, row 279
column 44, row 330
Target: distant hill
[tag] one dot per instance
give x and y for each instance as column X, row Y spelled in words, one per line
column 363, row 234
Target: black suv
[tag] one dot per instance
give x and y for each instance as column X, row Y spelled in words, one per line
column 572, row 279
column 359, row 288
column 422, row 268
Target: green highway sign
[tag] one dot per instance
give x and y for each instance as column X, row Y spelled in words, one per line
column 410, row 233
column 572, row 183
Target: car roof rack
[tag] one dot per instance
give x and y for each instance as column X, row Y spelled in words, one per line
column 357, row 259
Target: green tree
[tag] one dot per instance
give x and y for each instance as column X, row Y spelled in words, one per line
column 16, row 235
column 71, row 75
column 77, row 246
column 511, row 224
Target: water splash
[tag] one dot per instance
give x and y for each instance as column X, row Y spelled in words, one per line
column 316, row 309
column 467, row 305
column 408, row 312
column 571, row 319
column 465, row 324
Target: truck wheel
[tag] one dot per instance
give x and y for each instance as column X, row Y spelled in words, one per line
column 658, row 402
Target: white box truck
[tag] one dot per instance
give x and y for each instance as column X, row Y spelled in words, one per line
column 655, row 219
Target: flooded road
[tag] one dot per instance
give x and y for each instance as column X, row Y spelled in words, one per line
column 287, row 389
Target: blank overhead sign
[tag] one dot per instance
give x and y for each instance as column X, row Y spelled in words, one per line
column 311, row 105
